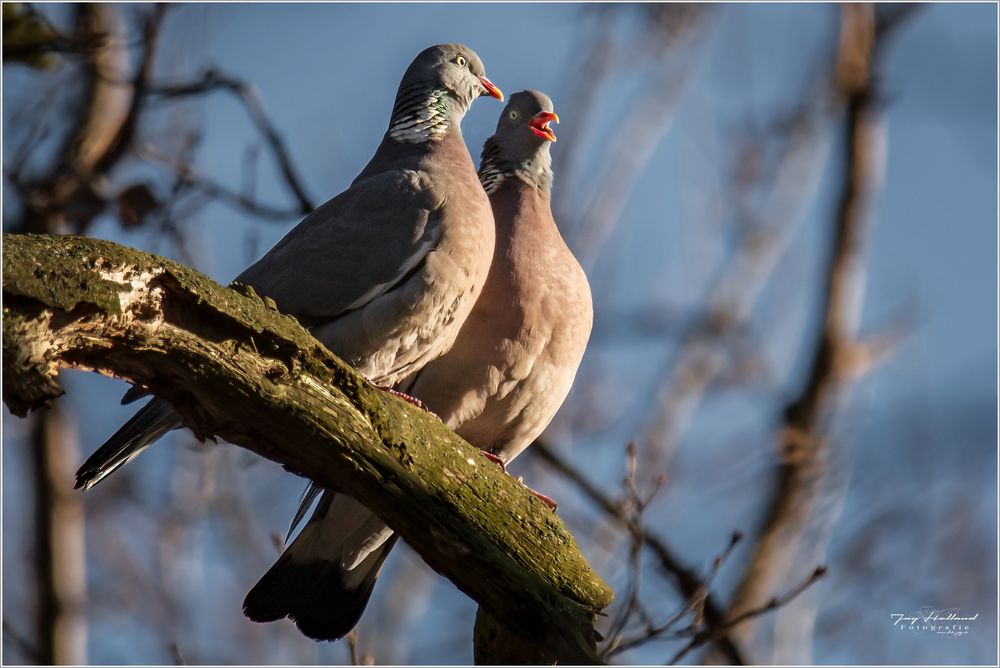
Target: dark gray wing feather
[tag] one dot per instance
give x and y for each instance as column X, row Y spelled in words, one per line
column 352, row 249
column 348, row 252
column 152, row 421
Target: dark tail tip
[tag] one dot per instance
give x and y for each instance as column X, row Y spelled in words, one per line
column 90, row 474
column 311, row 595
column 151, row 422
column 315, row 594
column 87, row 477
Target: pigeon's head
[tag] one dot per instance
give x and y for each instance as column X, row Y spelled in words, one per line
column 521, row 142
column 523, row 129
column 454, row 68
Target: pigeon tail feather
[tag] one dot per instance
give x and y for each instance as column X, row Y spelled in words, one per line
column 311, row 584
column 152, row 421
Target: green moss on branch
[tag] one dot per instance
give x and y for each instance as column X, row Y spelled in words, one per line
column 234, row 367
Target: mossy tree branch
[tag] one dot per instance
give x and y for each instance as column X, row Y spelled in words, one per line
column 235, row 368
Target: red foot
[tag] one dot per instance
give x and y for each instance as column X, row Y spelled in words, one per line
column 408, row 399
column 500, row 462
column 547, row 500
column 493, row 458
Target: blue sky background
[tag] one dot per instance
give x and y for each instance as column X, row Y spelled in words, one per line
column 919, row 438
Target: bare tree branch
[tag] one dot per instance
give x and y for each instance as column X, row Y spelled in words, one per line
column 188, row 176
column 685, row 578
column 763, row 236
column 66, row 194
column 672, row 32
column 803, row 434
column 695, row 606
column 59, row 542
column 75, row 192
column 704, row 635
column 235, row 368
column 213, row 80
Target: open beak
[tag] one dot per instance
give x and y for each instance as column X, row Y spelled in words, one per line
column 491, row 90
column 539, row 124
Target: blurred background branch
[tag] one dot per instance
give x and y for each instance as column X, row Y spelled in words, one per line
column 114, row 49
column 804, row 433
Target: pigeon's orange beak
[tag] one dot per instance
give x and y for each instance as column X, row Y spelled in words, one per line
column 491, row 90
column 539, row 124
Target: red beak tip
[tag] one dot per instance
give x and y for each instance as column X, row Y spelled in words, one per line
column 491, row 89
column 540, row 125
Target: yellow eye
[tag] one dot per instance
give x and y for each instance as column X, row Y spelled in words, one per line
column 513, row 115
column 462, row 62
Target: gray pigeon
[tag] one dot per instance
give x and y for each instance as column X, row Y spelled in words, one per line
column 499, row 386
column 384, row 273
column 517, row 354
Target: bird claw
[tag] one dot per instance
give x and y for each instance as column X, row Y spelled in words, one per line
column 549, row 501
column 408, row 399
column 493, row 458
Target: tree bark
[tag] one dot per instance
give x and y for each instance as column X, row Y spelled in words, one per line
column 235, row 368
column 496, row 645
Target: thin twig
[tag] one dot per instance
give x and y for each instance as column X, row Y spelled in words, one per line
column 694, row 606
column 633, row 506
column 705, row 635
column 685, row 578
column 213, row 80
column 187, row 175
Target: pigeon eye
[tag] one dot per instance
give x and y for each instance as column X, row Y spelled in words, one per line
column 461, row 61
column 513, row 115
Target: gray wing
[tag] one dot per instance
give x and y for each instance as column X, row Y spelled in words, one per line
column 352, row 249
